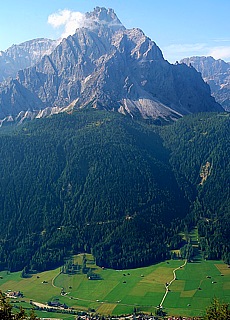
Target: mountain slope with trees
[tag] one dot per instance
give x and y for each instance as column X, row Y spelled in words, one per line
column 200, row 144
column 100, row 182
column 82, row 182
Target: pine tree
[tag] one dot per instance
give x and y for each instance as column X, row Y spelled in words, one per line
column 217, row 311
column 7, row 314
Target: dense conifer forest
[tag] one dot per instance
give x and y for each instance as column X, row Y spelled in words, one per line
column 200, row 148
column 100, row 182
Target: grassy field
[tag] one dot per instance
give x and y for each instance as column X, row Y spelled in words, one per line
column 119, row 292
column 197, row 283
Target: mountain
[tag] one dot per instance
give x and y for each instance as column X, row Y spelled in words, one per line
column 106, row 66
column 23, row 56
column 125, row 190
column 217, row 74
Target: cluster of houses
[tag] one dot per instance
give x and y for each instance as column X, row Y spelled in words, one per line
column 57, row 304
column 133, row 317
column 14, row 294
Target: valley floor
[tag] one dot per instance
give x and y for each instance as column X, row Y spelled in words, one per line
column 123, row 292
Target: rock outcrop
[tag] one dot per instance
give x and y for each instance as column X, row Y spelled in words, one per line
column 217, row 74
column 23, row 56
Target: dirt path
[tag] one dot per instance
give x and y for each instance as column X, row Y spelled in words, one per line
column 86, row 300
column 54, row 280
column 45, row 306
column 167, row 286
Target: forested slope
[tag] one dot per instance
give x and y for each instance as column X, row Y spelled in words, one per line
column 102, row 182
column 87, row 181
column 199, row 154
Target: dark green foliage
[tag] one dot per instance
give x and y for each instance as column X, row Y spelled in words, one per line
column 6, row 312
column 193, row 142
column 187, row 251
column 100, row 182
column 90, row 181
column 217, row 311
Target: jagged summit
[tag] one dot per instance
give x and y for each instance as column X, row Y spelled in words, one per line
column 101, row 15
column 101, row 18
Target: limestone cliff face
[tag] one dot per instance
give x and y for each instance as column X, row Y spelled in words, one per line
column 217, row 74
column 104, row 65
column 23, row 56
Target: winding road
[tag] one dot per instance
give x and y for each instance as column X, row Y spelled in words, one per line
column 160, row 305
column 167, row 286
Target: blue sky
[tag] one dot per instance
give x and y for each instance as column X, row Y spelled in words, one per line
column 180, row 28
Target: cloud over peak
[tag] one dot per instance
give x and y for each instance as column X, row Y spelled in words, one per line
column 69, row 20
column 220, row 52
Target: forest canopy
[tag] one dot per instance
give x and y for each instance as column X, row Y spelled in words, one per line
column 100, row 182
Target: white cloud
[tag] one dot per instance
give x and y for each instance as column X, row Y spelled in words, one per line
column 221, row 52
column 176, row 52
column 70, row 20
column 183, row 48
column 221, row 40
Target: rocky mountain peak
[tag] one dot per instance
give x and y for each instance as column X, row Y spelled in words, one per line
column 104, row 65
column 102, row 16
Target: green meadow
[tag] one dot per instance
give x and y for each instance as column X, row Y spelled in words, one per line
column 197, row 283
column 119, row 292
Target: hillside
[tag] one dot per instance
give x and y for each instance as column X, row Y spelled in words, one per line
column 87, row 181
column 99, row 181
column 200, row 144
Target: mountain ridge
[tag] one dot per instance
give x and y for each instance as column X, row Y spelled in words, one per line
column 105, row 65
column 217, row 74
column 23, row 55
